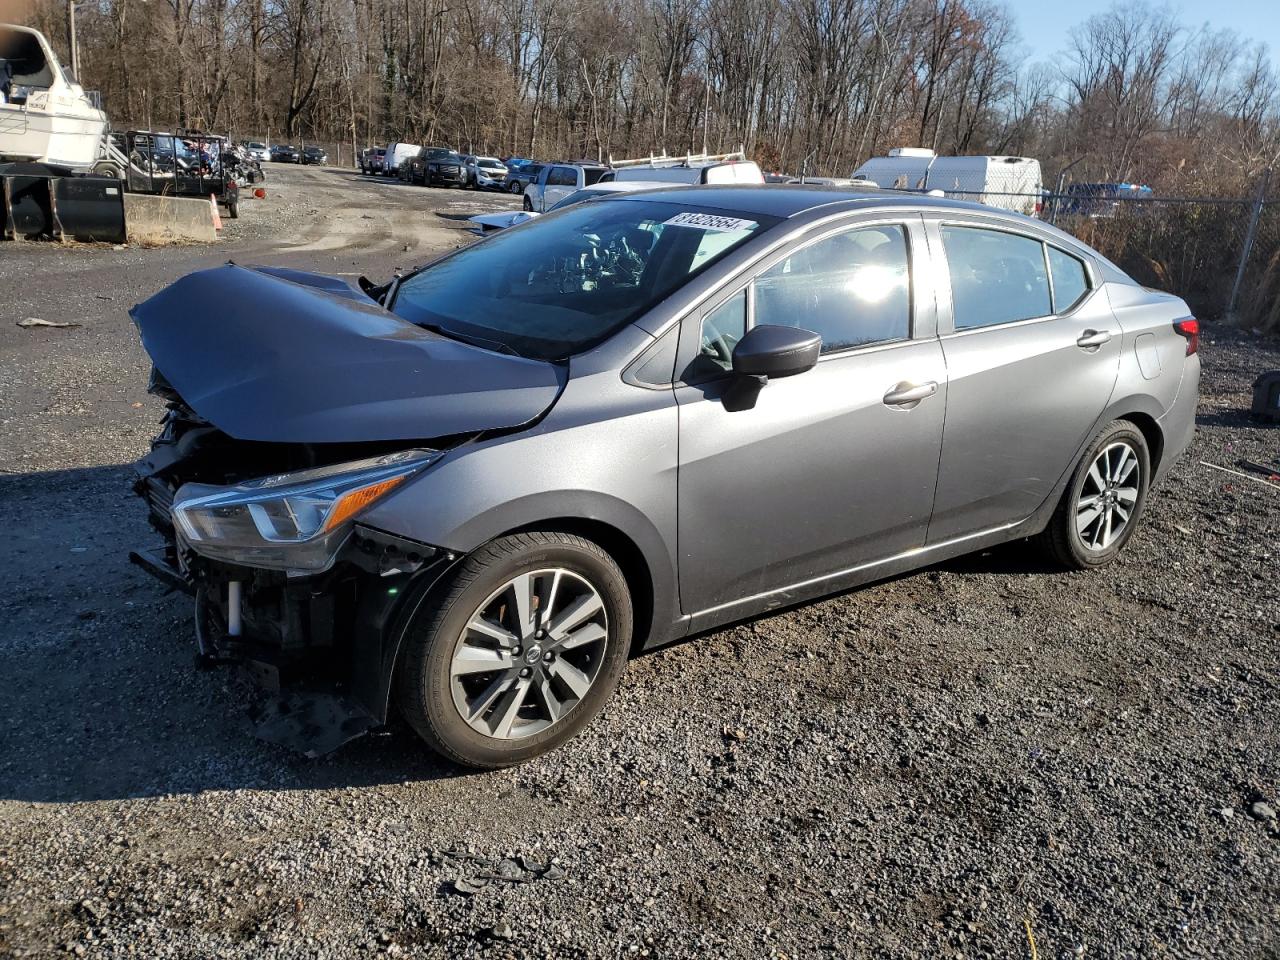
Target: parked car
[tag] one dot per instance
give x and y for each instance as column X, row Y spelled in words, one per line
column 485, row 173
column 472, row 492
column 555, row 181
column 437, row 166
column 258, row 151
column 724, row 168
column 1102, row 200
column 396, row 158
column 285, row 153
column 314, row 155
column 1009, row 183
column 519, row 177
column 487, row 223
column 371, row 160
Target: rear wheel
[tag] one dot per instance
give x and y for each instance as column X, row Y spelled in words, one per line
column 1103, row 501
column 522, row 651
column 515, row 187
column 233, row 209
column 528, row 204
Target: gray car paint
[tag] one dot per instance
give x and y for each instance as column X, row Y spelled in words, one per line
column 771, row 517
column 615, row 455
column 291, row 357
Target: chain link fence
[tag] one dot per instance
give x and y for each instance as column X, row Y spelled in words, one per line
column 1220, row 254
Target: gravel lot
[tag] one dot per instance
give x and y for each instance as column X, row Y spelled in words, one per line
column 945, row 764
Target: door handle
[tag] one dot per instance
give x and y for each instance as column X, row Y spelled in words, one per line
column 1092, row 339
column 907, row 395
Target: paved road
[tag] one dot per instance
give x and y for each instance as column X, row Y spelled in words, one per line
column 945, row 764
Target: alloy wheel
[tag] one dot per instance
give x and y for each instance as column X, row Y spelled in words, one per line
column 529, row 654
column 1108, row 496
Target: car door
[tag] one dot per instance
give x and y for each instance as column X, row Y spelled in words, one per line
column 833, row 468
column 561, row 181
column 1032, row 353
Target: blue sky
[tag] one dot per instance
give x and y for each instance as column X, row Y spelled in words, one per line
column 1045, row 26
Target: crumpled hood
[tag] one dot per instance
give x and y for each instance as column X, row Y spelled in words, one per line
column 283, row 356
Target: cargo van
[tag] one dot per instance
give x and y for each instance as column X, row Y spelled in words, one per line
column 398, row 154
column 692, row 169
column 1010, row 183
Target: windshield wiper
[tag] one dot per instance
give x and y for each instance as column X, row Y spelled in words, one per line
column 481, row 342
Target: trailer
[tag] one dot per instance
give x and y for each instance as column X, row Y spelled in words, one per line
column 1010, row 183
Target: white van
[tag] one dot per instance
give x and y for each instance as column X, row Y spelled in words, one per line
column 397, row 154
column 1010, row 183
column 697, row 169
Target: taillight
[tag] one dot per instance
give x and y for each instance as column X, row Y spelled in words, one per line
column 1039, row 207
column 1189, row 328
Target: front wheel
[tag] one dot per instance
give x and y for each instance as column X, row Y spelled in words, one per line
column 1103, row 501
column 515, row 187
column 233, row 209
column 521, row 652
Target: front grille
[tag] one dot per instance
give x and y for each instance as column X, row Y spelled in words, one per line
column 450, row 171
column 159, row 496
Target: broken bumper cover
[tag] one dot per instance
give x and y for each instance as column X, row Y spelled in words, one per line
column 321, row 649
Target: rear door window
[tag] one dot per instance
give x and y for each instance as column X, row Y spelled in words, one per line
column 996, row 277
column 562, row 177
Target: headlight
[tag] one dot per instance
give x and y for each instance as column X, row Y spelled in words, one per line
column 289, row 521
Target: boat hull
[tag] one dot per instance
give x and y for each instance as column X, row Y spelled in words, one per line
column 60, row 131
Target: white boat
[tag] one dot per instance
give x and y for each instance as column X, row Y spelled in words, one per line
column 45, row 116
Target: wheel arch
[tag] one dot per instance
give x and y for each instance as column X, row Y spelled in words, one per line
column 1151, row 431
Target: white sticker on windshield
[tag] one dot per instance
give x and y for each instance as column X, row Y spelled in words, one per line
column 708, row 221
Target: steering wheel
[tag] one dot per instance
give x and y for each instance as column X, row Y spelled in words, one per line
column 720, row 348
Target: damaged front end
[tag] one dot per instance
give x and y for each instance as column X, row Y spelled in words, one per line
column 286, row 582
column 294, row 403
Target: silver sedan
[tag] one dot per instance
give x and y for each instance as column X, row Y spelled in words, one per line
column 475, row 490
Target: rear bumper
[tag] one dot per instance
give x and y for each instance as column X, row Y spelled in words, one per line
column 1178, row 425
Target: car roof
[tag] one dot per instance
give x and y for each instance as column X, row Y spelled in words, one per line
column 789, row 200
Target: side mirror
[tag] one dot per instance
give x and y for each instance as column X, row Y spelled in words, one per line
column 772, row 351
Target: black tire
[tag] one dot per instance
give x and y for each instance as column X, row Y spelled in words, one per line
column 516, row 187
column 528, row 204
column 1062, row 541
column 424, row 688
column 233, row 210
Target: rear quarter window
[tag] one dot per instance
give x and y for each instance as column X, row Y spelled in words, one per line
column 1070, row 280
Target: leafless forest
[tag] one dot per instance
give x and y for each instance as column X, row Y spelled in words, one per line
column 819, row 84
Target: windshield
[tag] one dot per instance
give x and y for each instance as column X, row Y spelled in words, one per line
column 571, row 279
column 490, row 163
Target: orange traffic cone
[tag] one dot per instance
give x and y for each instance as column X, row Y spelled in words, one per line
column 217, row 220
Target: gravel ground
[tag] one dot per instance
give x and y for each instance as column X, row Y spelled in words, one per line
column 945, row 764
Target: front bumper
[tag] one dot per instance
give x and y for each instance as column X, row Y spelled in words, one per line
column 321, row 649
column 451, row 177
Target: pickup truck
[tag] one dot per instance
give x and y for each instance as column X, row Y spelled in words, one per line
column 557, row 180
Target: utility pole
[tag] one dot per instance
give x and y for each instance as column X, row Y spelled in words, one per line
column 71, row 39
